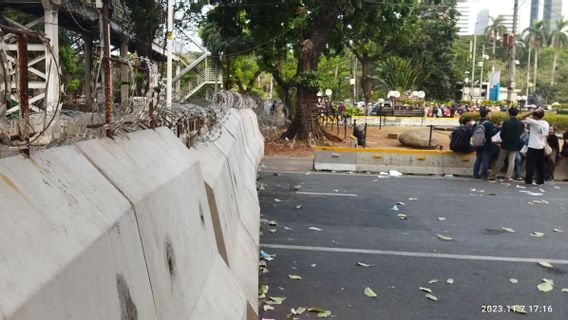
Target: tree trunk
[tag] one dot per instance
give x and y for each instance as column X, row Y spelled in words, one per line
column 366, row 79
column 305, row 125
column 554, row 63
column 535, row 70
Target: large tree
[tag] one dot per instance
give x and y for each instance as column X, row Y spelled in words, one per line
column 302, row 28
column 496, row 30
column 434, row 48
column 376, row 30
column 559, row 40
column 537, row 37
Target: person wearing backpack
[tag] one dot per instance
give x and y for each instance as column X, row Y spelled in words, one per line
column 460, row 141
column 537, row 142
column 511, row 131
column 484, row 147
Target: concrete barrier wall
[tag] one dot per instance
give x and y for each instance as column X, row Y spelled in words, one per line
column 405, row 161
column 138, row 227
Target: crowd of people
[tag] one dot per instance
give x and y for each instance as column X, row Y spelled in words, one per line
column 528, row 136
column 453, row 111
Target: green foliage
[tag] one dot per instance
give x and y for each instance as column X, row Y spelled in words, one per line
column 73, row 86
column 309, row 79
column 352, row 111
column 558, row 121
column 334, row 72
column 402, row 74
column 434, row 48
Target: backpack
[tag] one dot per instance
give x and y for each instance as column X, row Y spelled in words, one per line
column 479, row 139
column 459, row 140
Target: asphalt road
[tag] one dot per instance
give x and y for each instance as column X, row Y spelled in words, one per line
column 354, row 213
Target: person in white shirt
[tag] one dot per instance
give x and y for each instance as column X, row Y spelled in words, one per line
column 537, row 142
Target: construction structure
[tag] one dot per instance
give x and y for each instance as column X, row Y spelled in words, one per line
column 111, row 98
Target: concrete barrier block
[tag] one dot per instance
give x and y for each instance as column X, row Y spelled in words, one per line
column 334, row 159
column 232, row 236
column 166, row 187
column 251, row 127
column 69, row 241
column 222, row 297
column 458, row 163
column 405, row 162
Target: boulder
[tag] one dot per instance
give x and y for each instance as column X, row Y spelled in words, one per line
column 417, row 139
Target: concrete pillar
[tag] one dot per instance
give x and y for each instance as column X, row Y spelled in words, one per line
column 51, row 29
column 88, row 67
column 178, row 83
column 124, row 73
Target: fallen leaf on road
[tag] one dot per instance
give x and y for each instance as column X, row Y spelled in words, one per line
column 428, row 290
column 298, row 207
column 298, row 310
column 288, row 228
column 294, row 277
column 545, row 264
column 431, row 297
column 450, row 281
column 507, row 229
column 564, row 290
column 324, row 314
column 401, row 203
column 277, row 200
column 276, row 300
column 558, row 230
column 263, row 290
column 412, row 199
column 272, row 223
column 295, row 188
column 273, row 230
column 444, row 238
column 441, row 218
column 268, row 307
column 314, row 229
column 545, row 286
column 395, row 208
column 513, row 280
column 402, row 216
column 433, row 281
column 370, row 293
column 361, row 264
column 313, row 265
column 534, row 194
column 537, row 234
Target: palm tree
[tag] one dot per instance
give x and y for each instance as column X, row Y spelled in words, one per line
column 537, row 37
column 496, row 29
column 559, row 40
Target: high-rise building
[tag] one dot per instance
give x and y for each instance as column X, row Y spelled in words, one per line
column 535, row 10
column 508, row 22
column 552, row 12
column 464, row 21
column 482, row 21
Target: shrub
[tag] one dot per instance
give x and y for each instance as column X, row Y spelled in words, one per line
column 352, row 111
column 558, row 121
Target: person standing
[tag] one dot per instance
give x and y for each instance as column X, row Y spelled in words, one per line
column 537, row 142
column 550, row 160
column 482, row 134
column 511, row 131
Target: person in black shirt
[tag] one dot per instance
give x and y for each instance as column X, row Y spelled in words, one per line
column 564, row 151
column 511, row 131
column 550, row 161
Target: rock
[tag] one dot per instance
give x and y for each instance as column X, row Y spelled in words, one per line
column 417, row 139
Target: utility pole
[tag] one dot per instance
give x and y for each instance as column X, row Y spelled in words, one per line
column 473, row 64
column 481, row 70
column 169, row 48
column 512, row 52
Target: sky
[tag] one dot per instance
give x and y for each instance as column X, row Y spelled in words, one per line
column 497, row 7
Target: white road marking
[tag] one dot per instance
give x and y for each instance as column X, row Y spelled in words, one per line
column 414, row 254
column 327, row 194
